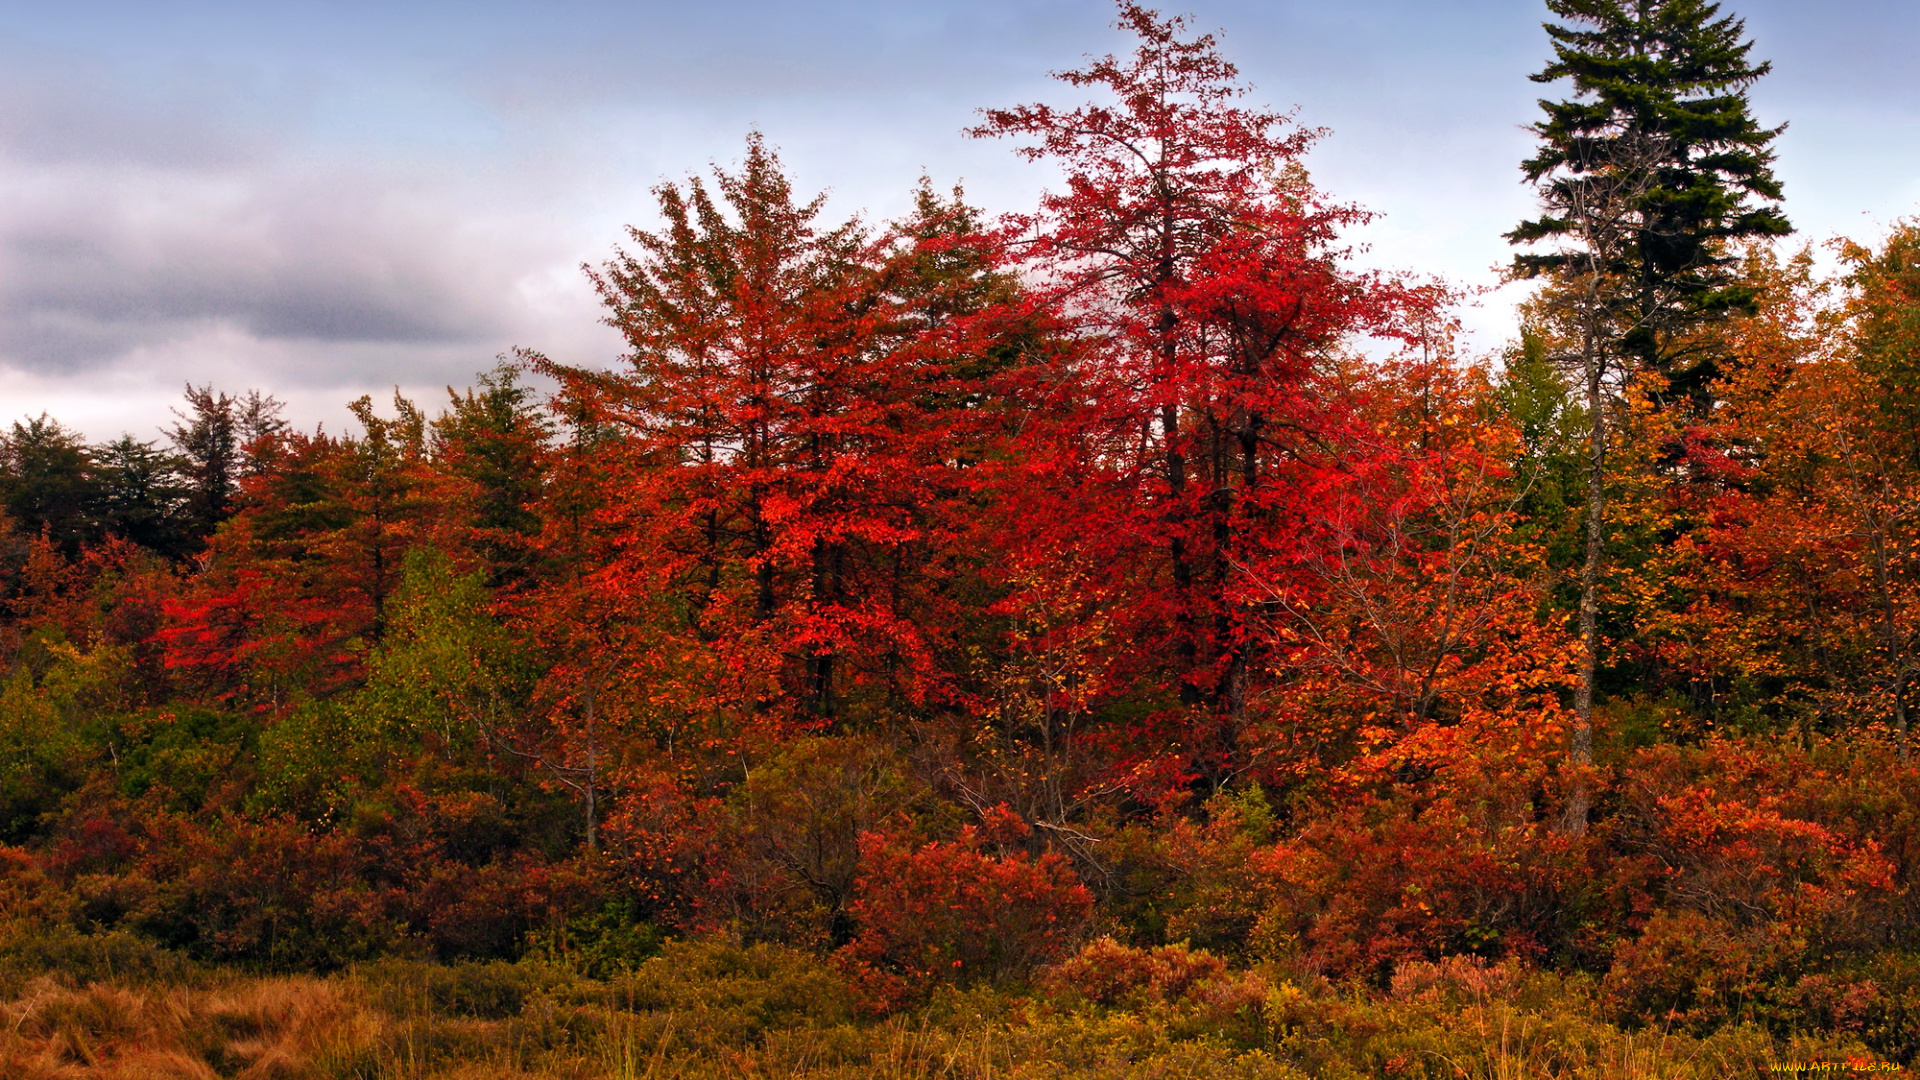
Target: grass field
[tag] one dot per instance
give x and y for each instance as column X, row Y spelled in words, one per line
column 116, row 1007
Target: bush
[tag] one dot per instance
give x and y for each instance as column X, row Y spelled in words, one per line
column 799, row 817
column 1109, row 973
column 486, row 991
column 270, row 893
column 728, row 995
column 27, row 952
column 600, row 944
column 1688, row 970
column 954, row 913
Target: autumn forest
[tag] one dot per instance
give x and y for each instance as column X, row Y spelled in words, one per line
column 1123, row 638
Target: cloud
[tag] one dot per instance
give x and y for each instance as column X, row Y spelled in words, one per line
column 320, row 200
column 96, row 260
column 191, row 211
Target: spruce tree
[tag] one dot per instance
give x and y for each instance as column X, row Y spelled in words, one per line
column 208, row 443
column 1659, row 121
column 1646, row 175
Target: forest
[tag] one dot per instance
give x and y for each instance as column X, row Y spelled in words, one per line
column 1124, row 638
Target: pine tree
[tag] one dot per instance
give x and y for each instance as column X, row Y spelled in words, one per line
column 142, row 497
column 49, row 482
column 1645, row 176
column 1659, row 122
column 209, row 443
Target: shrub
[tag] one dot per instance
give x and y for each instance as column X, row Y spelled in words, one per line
column 269, row 893
column 728, row 995
column 951, row 912
column 487, row 912
column 486, row 991
column 27, row 952
column 799, row 817
column 599, row 944
column 671, row 851
column 1686, row 969
column 1109, row 973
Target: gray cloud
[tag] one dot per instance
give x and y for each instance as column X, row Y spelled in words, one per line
column 99, row 260
column 320, row 200
column 58, row 107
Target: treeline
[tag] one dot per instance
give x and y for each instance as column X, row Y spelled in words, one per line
column 166, row 500
column 945, row 594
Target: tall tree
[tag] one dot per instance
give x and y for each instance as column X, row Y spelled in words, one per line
column 1886, row 320
column 775, row 458
column 1645, row 174
column 218, row 438
column 1203, row 270
column 208, row 441
column 493, row 445
column 141, row 496
column 49, row 482
column 1659, row 121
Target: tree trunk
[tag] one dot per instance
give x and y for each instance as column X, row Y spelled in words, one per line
column 593, row 767
column 1185, row 647
column 1580, row 742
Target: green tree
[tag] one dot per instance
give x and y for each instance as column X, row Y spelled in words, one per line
column 48, row 481
column 1886, row 318
column 142, row 497
column 496, row 443
column 208, row 441
column 1645, row 176
column 216, row 439
column 1660, row 120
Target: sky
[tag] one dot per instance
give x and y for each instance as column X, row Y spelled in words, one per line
column 321, row 200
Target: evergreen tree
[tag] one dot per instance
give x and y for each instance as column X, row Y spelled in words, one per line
column 141, row 495
column 48, row 482
column 220, row 439
column 208, row 440
column 1645, row 176
column 497, row 442
column 495, row 438
column 1659, row 122
column 259, row 424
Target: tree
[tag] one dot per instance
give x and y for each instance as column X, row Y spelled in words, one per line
column 1596, row 213
column 776, row 455
column 296, row 583
column 380, row 479
column 141, row 495
column 1657, row 136
column 1804, row 579
column 49, row 482
column 1424, row 633
column 1644, row 176
column 1201, row 269
column 208, row 440
column 1886, row 321
column 217, row 438
column 492, row 443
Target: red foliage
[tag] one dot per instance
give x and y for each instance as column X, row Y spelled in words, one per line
column 671, row 852
column 1199, row 271
column 771, row 456
column 1110, row 973
column 952, row 912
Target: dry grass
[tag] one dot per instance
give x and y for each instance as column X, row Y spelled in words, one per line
column 263, row 1029
column 716, row 1012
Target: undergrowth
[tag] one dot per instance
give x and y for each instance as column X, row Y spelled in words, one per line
column 115, row 1007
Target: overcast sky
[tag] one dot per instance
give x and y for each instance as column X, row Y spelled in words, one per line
column 326, row 199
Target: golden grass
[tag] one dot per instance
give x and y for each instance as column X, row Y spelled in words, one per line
column 742, row 1015
column 263, row 1029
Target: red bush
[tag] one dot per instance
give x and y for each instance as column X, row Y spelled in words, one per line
column 953, row 912
column 1110, row 973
